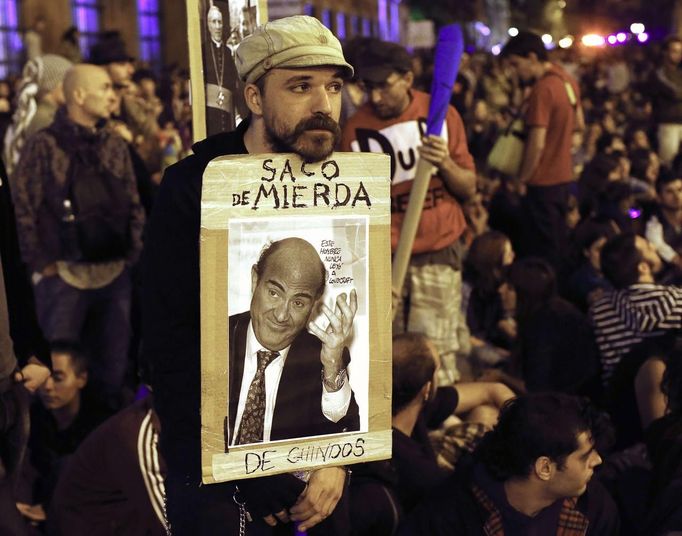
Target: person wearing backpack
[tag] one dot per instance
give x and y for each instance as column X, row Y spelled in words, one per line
column 80, row 226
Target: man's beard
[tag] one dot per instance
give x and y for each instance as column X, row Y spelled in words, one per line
column 310, row 148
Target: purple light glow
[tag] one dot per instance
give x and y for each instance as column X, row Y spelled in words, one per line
column 612, row 39
column 86, row 19
column 382, row 13
column 308, row 10
column 10, row 39
column 621, row 37
column 341, row 25
column 395, row 21
column 326, row 18
column 643, row 37
column 147, row 6
column 482, row 28
column 354, row 25
column 149, row 27
column 366, row 27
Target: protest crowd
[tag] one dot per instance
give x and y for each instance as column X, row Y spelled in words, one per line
column 537, row 369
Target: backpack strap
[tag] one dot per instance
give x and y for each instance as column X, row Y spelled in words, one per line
column 570, row 92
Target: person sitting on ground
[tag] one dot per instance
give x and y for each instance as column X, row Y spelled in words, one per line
column 532, row 474
column 113, row 483
column 421, row 461
column 419, row 406
column 545, row 322
column 490, row 316
column 62, row 418
column 586, row 282
column 664, row 228
column 637, row 308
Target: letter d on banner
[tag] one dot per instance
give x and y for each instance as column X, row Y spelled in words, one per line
column 448, row 55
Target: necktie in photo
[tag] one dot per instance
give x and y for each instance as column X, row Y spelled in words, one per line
column 251, row 427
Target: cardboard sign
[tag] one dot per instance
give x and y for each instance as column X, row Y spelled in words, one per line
column 215, row 28
column 330, row 226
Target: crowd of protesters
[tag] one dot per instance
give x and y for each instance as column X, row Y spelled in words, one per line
column 537, row 374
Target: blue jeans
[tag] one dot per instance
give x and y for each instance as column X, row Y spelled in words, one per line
column 99, row 319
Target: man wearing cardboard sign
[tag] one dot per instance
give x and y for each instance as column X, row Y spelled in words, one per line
column 293, row 70
column 275, row 386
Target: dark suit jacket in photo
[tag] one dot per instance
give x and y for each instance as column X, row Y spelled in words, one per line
column 298, row 407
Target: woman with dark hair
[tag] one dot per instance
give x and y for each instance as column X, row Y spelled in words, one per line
column 555, row 348
column 597, row 174
column 490, row 306
column 586, row 282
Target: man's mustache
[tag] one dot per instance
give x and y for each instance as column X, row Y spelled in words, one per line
column 318, row 122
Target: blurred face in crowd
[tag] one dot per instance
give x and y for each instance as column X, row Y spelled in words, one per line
column 481, row 111
column 673, row 53
column 571, row 480
column 640, row 140
column 507, row 254
column 573, row 216
column 653, row 168
column 624, row 167
column 671, row 195
column 526, row 68
column 649, row 254
column 215, row 24
column 148, row 88
column 300, row 109
column 391, row 97
column 121, row 72
column 476, row 213
column 64, row 386
column 593, row 252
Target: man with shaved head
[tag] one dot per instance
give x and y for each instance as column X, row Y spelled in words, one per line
column 293, row 72
column 80, row 226
column 272, row 351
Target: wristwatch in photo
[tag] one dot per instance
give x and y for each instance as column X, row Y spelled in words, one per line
column 336, row 383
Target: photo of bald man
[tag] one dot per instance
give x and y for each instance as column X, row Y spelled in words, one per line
column 288, row 376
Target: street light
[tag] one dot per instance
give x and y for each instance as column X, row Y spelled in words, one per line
column 566, row 42
column 593, row 40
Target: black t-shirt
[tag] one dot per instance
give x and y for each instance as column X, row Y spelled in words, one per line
column 413, row 457
column 50, row 446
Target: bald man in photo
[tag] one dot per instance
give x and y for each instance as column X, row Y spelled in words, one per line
column 288, row 376
column 80, row 223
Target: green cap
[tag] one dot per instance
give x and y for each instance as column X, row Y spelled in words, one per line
column 291, row 42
